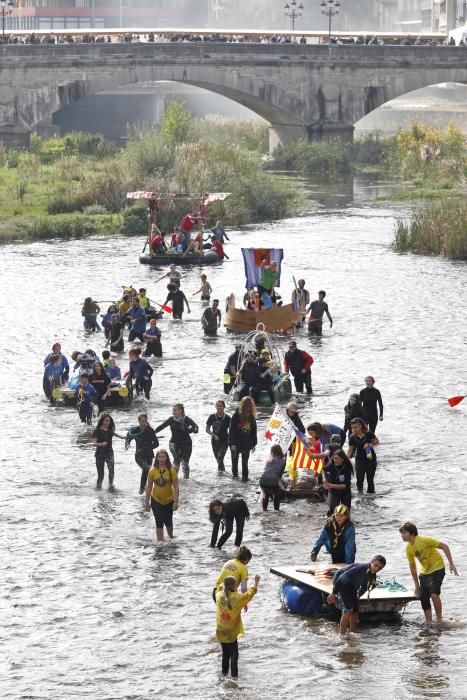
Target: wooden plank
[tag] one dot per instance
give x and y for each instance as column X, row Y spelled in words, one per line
column 315, row 579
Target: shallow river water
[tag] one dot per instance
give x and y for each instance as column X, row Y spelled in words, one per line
column 90, row 608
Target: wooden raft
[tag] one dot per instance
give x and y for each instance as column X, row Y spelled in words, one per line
column 277, row 318
column 312, row 575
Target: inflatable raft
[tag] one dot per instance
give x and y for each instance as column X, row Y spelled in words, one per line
column 306, row 589
column 209, row 257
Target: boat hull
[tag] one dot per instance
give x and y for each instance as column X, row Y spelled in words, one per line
column 279, row 318
column 208, row 258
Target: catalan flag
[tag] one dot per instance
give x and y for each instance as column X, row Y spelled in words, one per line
column 300, row 458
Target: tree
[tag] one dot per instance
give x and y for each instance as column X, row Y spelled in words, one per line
column 176, row 124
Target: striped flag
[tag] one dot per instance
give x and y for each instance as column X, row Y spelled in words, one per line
column 300, row 459
column 253, row 257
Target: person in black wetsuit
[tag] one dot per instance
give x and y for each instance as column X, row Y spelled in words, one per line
column 102, row 441
column 178, row 299
column 243, row 435
column 230, row 368
column 101, row 383
column 263, row 381
column 226, row 512
column 371, row 400
column 146, row 442
column 180, row 443
column 248, row 375
column 337, row 479
column 353, row 409
column 362, row 441
column 217, row 426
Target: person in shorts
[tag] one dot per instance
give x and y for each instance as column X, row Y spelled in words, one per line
column 349, row 584
column 428, row 582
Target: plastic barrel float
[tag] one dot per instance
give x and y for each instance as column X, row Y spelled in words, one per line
column 301, row 600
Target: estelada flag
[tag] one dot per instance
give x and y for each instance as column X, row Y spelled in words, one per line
column 301, row 459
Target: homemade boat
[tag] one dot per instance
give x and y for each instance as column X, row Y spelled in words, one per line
column 207, row 257
column 283, row 386
column 156, row 204
column 66, row 395
column 276, row 319
column 306, row 588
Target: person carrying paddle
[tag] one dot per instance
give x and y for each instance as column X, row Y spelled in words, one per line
column 349, row 584
column 178, row 299
column 428, row 582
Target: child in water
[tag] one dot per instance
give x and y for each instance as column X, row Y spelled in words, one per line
column 205, row 289
column 229, row 624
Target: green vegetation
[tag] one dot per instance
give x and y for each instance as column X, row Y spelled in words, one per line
column 439, row 229
column 77, row 185
column 432, row 162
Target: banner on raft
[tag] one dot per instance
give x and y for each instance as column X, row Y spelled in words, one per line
column 280, row 429
column 253, row 258
column 301, row 459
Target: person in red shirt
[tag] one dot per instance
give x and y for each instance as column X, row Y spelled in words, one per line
column 298, row 363
column 158, row 244
column 219, row 248
column 187, row 225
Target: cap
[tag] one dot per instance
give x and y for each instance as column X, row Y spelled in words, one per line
column 292, row 342
column 292, row 407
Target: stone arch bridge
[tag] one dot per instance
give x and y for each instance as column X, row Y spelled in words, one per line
column 304, row 91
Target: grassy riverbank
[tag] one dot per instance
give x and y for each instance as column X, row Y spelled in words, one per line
column 76, row 185
column 439, row 229
column 431, row 162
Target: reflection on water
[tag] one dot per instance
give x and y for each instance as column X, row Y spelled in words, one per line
column 92, row 609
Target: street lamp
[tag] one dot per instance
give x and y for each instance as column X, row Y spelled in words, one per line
column 330, row 8
column 6, row 11
column 293, row 9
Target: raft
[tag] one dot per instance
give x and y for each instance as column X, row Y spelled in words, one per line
column 65, row 395
column 278, row 318
column 209, row 257
column 304, row 585
column 281, row 392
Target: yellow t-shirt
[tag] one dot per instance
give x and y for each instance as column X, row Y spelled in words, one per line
column 144, row 302
column 234, row 568
column 229, row 624
column 163, row 480
column 425, row 550
column 123, row 308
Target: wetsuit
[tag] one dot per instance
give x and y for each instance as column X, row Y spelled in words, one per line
column 212, row 319
column 295, row 362
column 247, row 378
column 365, row 465
column 244, row 437
column 269, row 481
column 100, row 383
column 104, row 455
column 339, row 542
column 86, row 395
column 350, row 412
column 114, row 334
column 141, row 371
column 180, row 443
column 220, row 427
column 153, row 346
column 315, row 322
column 341, row 476
column 233, row 510
column 178, row 300
column 371, row 400
column 146, row 442
column 231, row 362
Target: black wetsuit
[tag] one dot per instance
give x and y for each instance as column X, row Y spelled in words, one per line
column 244, row 437
column 339, row 475
column 235, row 509
column 364, row 465
column 146, row 442
column 180, row 443
column 178, row 300
column 104, row 455
column 371, row 400
column 220, row 428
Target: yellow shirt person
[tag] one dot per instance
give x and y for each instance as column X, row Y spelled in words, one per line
column 163, row 480
column 229, row 606
column 235, row 568
column 425, row 550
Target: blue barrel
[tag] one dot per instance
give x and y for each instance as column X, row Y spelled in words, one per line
column 301, row 600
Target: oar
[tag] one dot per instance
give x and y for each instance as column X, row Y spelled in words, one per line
column 162, row 306
column 454, row 400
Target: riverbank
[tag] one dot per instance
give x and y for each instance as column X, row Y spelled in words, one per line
column 75, row 186
column 439, row 229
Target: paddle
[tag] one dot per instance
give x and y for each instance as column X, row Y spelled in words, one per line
column 162, row 306
column 454, row 400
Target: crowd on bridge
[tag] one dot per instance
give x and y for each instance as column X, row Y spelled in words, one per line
column 182, row 38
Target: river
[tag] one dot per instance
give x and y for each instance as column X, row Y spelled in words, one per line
column 91, row 609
